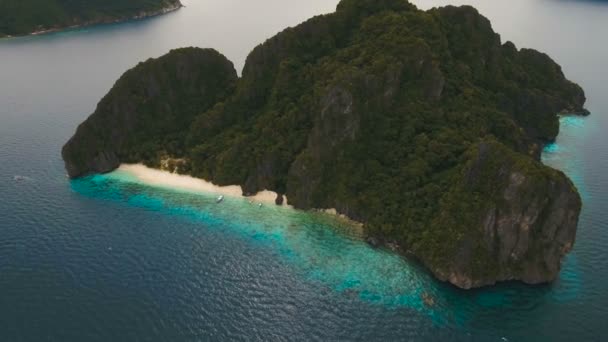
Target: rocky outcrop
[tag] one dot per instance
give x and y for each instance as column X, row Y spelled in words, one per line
column 525, row 226
column 94, row 161
column 424, row 126
column 143, row 117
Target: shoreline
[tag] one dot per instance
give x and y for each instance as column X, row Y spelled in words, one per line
column 139, row 16
column 161, row 178
column 171, row 180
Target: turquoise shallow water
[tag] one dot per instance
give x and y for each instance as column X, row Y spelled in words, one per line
column 321, row 247
column 106, row 258
column 330, row 252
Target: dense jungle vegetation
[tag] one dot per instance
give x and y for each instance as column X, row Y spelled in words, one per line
column 413, row 122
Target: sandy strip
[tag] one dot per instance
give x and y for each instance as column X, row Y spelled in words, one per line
column 167, row 179
column 171, row 180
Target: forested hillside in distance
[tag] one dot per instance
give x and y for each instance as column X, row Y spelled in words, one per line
column 21, row 17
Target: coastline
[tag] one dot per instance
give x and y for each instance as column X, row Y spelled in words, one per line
column 166, row 179
column 139, row 16
column 171, row 180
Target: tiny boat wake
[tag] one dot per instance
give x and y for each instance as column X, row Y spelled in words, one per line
column 19, row 178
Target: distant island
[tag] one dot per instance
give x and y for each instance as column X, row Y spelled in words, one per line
column 24, row 17
column 422, row 125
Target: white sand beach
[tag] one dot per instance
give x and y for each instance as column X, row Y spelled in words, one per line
column 172, row 180
column 167, row 179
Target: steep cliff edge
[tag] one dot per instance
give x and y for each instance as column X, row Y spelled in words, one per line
column 423, row 125
column 148, row 110
column 510, row 218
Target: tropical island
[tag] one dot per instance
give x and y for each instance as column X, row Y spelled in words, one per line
column 24, row 17
column 422, row 125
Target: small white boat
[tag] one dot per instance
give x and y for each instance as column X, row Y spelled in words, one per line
column 260, row 205
column 220, row 199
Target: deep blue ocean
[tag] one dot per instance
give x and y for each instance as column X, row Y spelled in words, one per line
column 107, row 258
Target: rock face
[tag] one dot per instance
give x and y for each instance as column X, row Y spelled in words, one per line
column 524, row 226
column 148, row 109
column 424, row 126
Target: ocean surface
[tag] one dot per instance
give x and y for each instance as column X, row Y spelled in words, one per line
column 107, row 258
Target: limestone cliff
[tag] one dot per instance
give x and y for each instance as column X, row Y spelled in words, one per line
column 148, row 110
column 423, row 125
column 514, row 219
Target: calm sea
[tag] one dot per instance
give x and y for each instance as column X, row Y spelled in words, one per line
column 109, row 259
